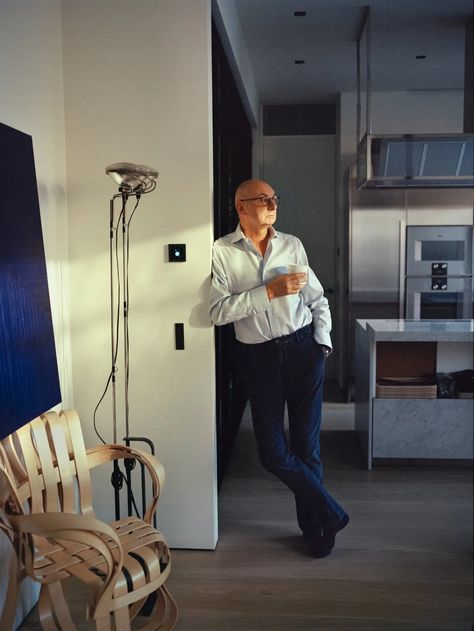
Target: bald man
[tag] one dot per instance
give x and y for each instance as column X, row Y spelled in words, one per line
column 282, row 325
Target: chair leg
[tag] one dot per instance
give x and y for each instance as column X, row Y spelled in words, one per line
column 121, row 619
column 164, row 615
column 60, row 607
column 103, row 624
column 45, row 611
column 11, row 596
column 136, row 608
column 172, row 613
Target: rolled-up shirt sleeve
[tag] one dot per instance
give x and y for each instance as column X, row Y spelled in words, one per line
column 226, row 307
column 317, row 303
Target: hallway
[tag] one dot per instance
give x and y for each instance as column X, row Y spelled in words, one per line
column 403, row 563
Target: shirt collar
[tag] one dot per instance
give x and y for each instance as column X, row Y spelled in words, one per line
column 238, row 235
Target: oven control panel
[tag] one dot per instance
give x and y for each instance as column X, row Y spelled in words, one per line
column 439, row 284
column 439, row 269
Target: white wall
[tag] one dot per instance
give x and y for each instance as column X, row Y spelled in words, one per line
column 302, row 170
column 31, row 100
column 137, row 81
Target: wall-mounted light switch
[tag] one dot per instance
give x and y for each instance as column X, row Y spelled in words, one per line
column 179, row 336
column 176, row 252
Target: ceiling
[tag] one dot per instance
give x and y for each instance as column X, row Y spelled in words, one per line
column 326, row 38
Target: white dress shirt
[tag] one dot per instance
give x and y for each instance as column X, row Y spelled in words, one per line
column 239, row 295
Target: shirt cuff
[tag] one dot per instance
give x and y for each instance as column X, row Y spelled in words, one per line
column 259, row 299
column 323, row 338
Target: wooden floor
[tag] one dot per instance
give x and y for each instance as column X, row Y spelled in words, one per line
column 404, row 563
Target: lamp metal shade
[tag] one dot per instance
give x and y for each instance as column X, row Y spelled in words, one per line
column 131, row 177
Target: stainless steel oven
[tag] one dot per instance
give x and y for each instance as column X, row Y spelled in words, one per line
column 439, row 298
column 441, row 250
column 438, row 283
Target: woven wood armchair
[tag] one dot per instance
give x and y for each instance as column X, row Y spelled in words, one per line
column 46, row 511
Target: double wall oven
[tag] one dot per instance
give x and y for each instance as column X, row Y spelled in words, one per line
column 438, row 272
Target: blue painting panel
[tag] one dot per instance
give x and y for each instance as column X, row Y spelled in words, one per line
column 29, row 381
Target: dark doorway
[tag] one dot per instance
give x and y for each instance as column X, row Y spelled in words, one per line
column 232, row 165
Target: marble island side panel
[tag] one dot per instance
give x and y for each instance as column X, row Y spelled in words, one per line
column 411, row 428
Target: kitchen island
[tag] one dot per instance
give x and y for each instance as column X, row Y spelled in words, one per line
column 418, row 426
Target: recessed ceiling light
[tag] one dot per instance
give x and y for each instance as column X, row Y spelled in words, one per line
column 299, row 14
column 421, row 57
column 299, row 61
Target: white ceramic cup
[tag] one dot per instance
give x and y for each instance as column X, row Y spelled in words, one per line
column 298, row 269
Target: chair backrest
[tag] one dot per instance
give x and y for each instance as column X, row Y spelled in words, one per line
column 47, row 462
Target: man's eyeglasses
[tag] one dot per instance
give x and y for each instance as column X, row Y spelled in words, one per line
column 264, row 200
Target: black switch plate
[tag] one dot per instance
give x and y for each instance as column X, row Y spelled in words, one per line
column 176, row 252
column 179, row 336
column 439, row 269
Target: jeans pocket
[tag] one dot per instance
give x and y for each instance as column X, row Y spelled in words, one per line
column 321, row 350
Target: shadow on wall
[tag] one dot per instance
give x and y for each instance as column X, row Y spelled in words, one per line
column 199, row 317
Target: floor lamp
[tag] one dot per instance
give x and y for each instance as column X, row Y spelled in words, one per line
column 133, row 180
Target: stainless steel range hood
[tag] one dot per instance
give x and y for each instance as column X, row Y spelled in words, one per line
column 416, row 161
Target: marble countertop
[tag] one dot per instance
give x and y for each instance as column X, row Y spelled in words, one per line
column 419, row 330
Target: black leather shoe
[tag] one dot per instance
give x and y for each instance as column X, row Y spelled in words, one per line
column 330, row 532
column 319, row 548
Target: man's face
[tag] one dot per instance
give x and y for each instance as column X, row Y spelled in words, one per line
column 257, row 208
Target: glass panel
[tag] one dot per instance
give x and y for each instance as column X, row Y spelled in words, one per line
column 442, row 250
column 396, row 158
column 467, row 164
column 440, row 306
column 442, row 158
column 408, row 160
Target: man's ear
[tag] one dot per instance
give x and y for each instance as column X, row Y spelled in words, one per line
column 240, row 208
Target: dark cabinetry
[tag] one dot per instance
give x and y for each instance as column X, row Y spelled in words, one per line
column 232, row 165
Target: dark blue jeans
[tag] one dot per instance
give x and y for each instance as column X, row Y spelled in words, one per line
column 291, row 369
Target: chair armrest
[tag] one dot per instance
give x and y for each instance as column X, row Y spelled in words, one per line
column 106, row 453
column 85, row 530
